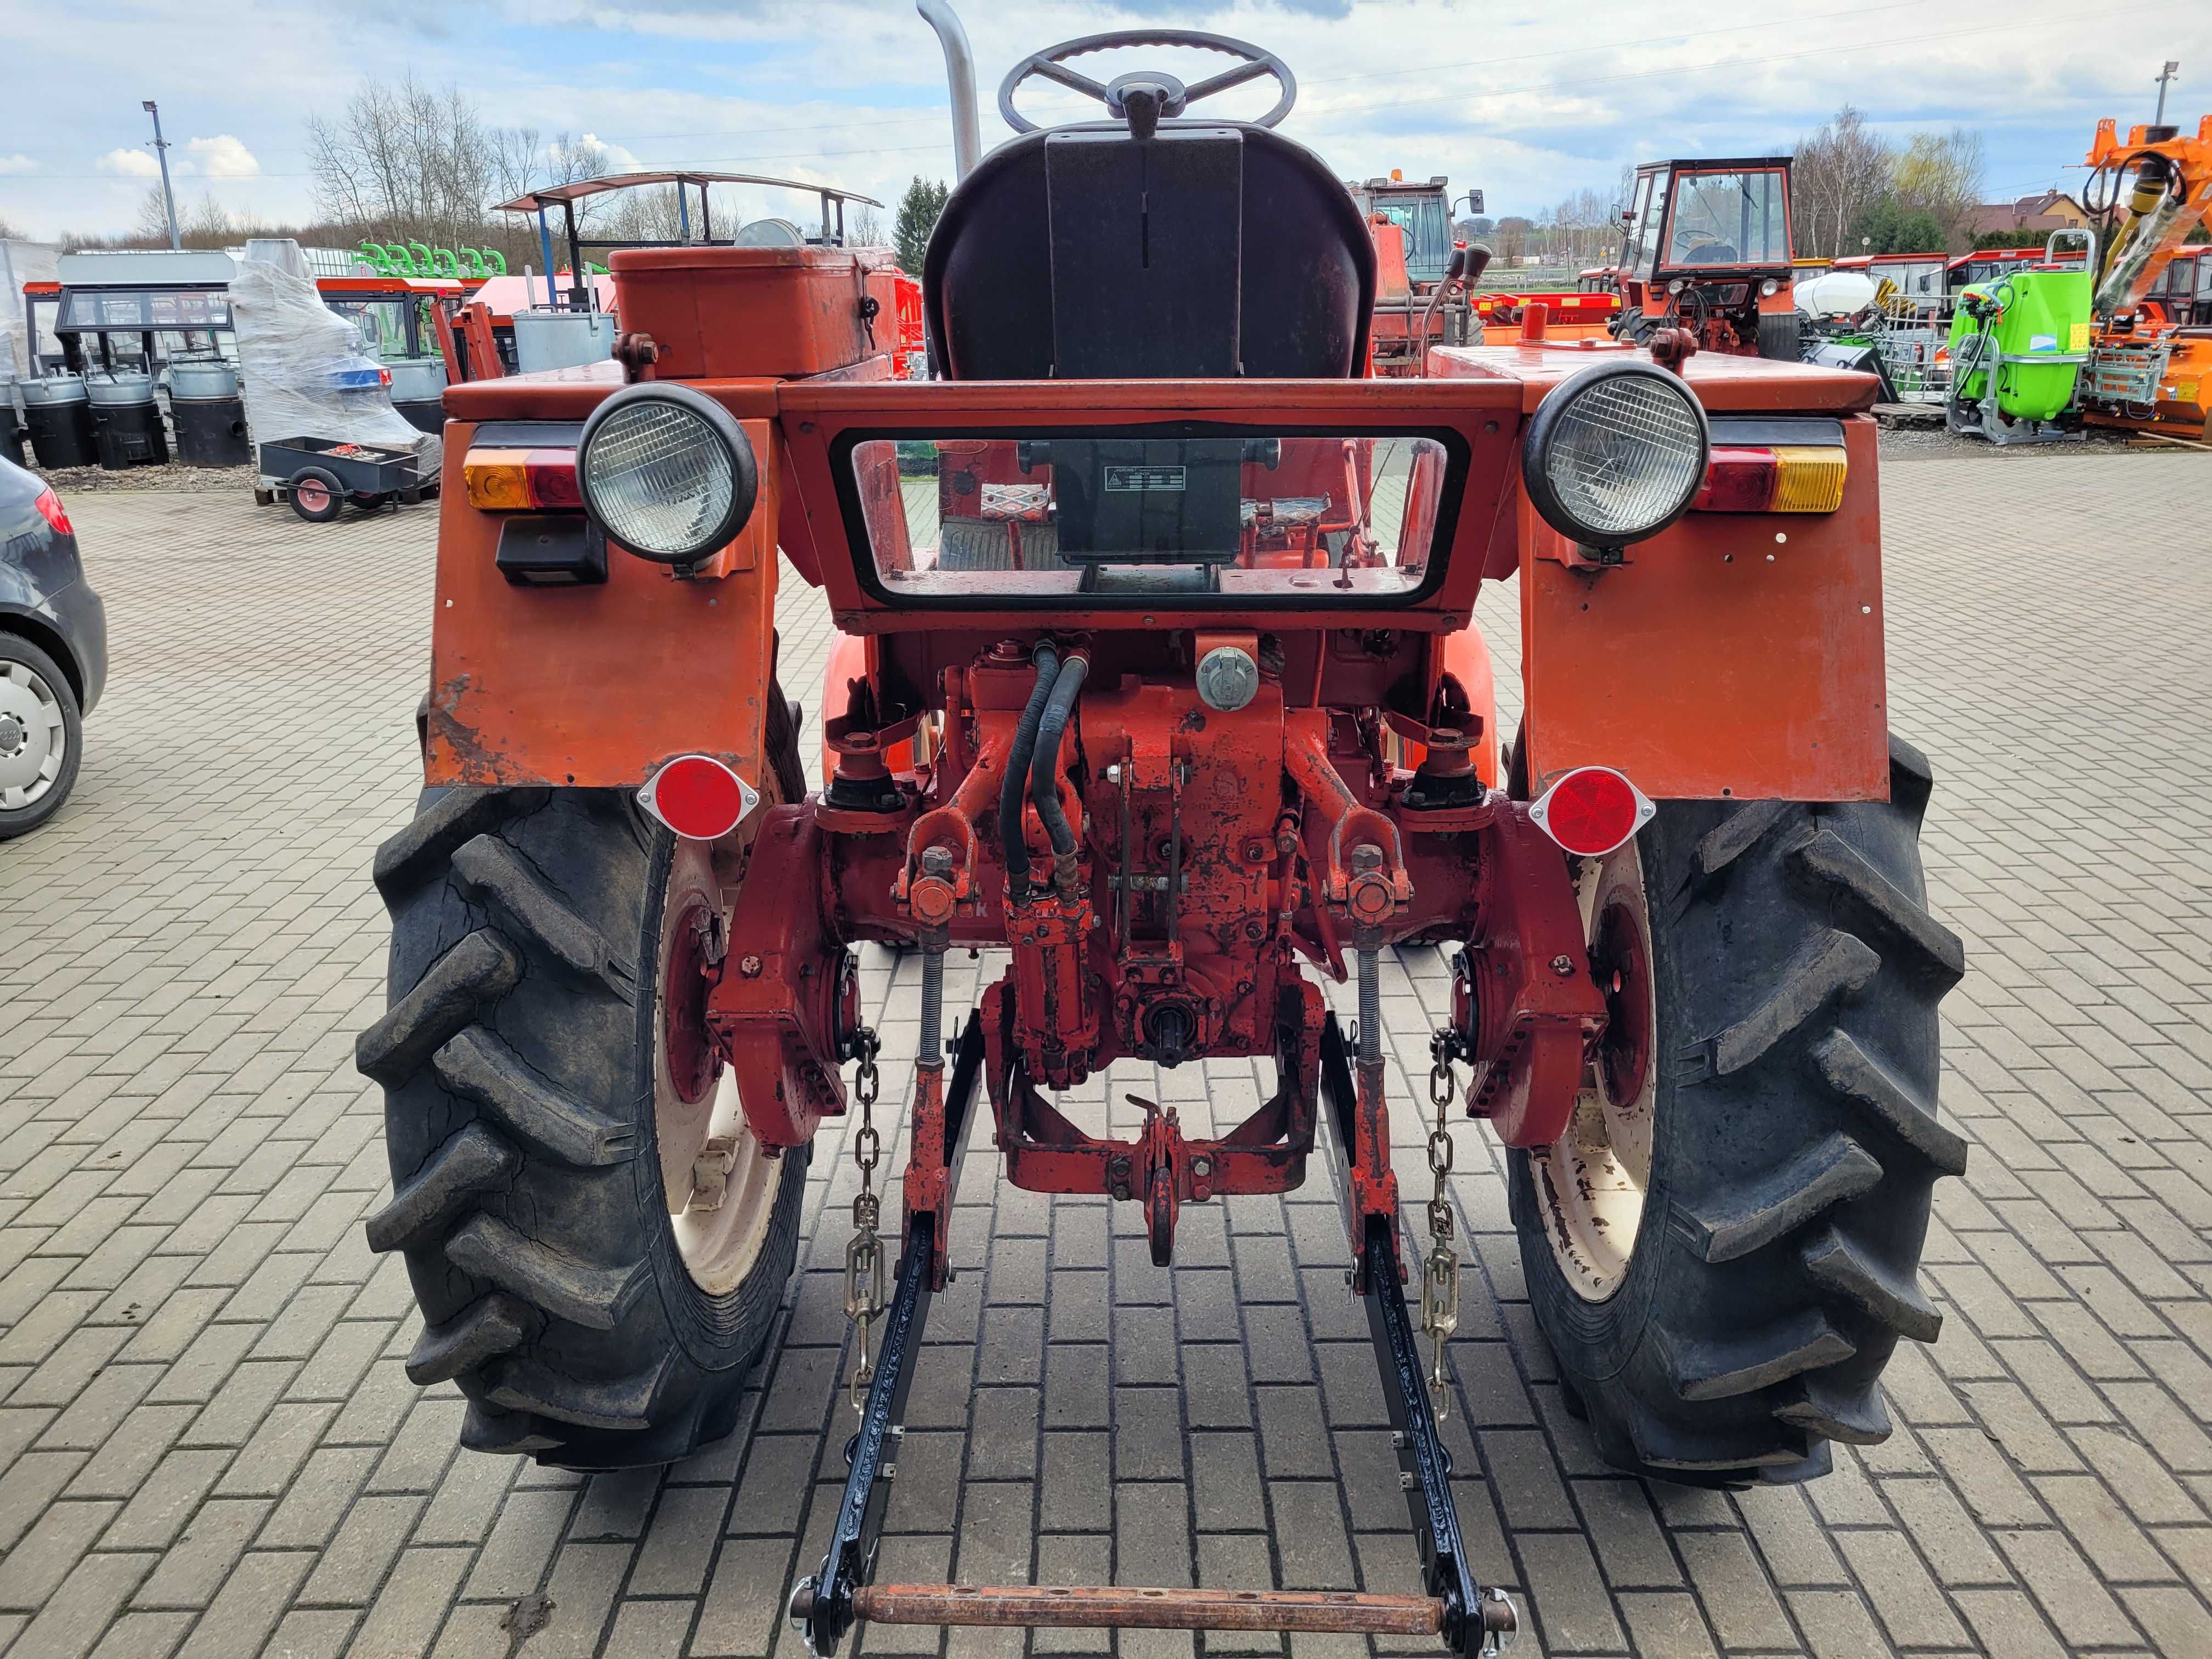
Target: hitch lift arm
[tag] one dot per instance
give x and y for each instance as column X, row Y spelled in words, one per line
column 1470, row 1620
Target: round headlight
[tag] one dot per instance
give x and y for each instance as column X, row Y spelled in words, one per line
column 1770, row 288
column 1615, row 453
column 667, row 471
column 1677, row 286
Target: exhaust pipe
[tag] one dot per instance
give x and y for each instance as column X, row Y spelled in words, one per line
column 960, row 74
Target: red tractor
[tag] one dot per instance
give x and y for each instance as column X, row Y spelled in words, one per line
column 1234, row 731
column 1705, row 248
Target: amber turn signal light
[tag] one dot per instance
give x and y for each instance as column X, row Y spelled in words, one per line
column 521, row 480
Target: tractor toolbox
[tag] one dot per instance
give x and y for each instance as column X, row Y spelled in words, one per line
column 731, row 312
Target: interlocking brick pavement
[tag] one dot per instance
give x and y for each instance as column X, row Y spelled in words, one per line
column 207, row 1448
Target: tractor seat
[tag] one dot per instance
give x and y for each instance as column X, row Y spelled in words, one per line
column 1206, row 251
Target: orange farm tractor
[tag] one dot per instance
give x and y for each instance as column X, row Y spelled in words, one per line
column 1705, row 246
column 1424, row 278
column 1223, row 726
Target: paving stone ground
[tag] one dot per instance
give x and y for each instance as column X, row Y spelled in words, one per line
column 207, row 1449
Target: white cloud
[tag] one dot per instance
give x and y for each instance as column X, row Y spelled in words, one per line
column 223, row 157
column 18, row 163
column 619, row 159
column 130, row 163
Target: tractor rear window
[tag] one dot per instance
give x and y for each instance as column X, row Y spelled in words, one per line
column 1233, row 517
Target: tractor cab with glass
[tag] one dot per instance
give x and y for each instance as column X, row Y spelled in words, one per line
column 1705, row 248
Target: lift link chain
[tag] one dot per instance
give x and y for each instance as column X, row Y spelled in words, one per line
column 1440, row 1272
column 864, row 1256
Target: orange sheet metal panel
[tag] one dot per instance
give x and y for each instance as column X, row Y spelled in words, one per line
column 1724, row 384
column 596, row 686
column 1720, row 661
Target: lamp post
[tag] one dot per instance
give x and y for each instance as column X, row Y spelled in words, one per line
column 2172, row 68
column 162, row 150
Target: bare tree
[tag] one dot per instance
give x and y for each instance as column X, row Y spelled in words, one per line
column 149, row 226
column 405, row 162
column 1840, row 173
column 651, row 213
column 863, row 228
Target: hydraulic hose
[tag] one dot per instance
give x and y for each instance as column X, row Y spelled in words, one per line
column 1017, row 772
column 1044, row 766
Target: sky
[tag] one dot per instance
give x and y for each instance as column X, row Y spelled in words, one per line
column 1527, row 108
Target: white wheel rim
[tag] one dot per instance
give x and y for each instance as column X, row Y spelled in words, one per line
column 33, row 737
column 719, row 1236
column 1590, row 1182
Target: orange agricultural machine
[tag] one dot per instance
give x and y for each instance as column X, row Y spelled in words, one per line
column 1176, row 707
column 1705, row 246
column 2150, row 363
column 1424, row 278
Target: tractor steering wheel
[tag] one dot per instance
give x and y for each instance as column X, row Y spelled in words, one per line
column 1157, row 96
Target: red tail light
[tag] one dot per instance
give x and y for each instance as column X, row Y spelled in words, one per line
column 50, row 510
column 698, row 797
column 1591, row 811
column 1738, row 480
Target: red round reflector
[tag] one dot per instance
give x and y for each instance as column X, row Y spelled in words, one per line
column 1591, row 811
column 697, row 797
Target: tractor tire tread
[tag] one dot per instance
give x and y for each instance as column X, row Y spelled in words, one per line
column 479, row 970
column 1926, row 947
column 1855, row 1417
column 596, row 1297
column 476, row 1063
column 479, row 1334
column 475, row 1160
column 492, row 870
column 1825, row 1173
column 1857, row 1277
column 1832, row 965
column 1721, row 1369
column 624, row 1403
column 1858, row 1077
column 487, row 1428
column 1736, row 834
column 427, row 845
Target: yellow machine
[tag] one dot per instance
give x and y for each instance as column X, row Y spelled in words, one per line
column 2150, row 367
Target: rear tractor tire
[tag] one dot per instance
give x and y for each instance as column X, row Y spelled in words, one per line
column 599, row 1244
column 1722, row 1249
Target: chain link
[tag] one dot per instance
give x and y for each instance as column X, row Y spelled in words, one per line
column 864, row 1256
column 1440, row 1272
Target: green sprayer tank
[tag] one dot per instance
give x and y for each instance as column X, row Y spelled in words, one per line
column 2037, row 313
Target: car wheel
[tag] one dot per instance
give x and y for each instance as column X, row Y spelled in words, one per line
column 41, row 735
